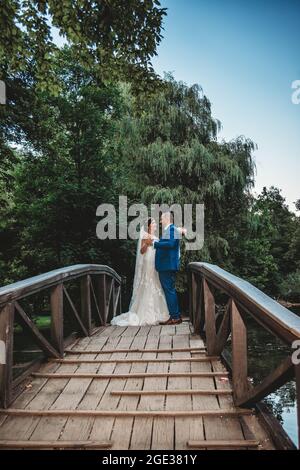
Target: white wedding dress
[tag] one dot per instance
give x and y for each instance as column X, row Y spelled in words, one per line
column 148, row 303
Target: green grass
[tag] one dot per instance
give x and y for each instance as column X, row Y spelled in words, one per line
column 42, row 323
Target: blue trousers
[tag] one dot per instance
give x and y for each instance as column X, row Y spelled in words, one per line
column 167, row 280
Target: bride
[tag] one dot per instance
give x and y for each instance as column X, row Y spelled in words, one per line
column 148, row 303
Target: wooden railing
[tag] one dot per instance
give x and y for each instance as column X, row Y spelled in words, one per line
column 206, row 282
column 100, row 287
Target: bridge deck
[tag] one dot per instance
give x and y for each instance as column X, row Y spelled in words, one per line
column 185, row 400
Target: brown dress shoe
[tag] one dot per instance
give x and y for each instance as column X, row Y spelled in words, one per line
column 171, row 321
column 167, row 322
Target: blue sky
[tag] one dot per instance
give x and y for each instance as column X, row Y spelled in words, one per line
column 245, row 55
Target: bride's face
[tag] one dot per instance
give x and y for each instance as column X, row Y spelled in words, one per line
column 152, row 227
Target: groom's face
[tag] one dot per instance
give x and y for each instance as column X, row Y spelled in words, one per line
column 165, row 219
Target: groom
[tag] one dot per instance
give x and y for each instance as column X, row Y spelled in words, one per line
column 167, row 264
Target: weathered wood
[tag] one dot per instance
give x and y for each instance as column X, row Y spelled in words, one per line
column 6, row 362
column 269, row 313
column 224, row 330
column 86, row 313
column 57, row 317
column 210, row 318
column 156, row 360
column 170, row 392
column 35, row 284
column 117, row 292
column 225, row 444
column 4, row 444
column 128, row 376
column 110, row 291
column 239, row 354
column 96, row 303
column 125, row 413
column 278, row 377
column 32, row 329
column 162, row 350
column 76, row 315
column 102, row 294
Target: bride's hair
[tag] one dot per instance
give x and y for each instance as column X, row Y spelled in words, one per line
column 148, row 223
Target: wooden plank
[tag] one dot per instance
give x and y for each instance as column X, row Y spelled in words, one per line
column 170, row 392
column 138, row 360
column 225, row 444
column 122, row 431
column 32, row 329
column 57, row 318
column 40, row 394
column 86, row 313
column 129, row 376
column 181, row 402
column 162, row 428
column 228, row 427
column 139, row 350
column 142, row 428
column 103, row 426
column 4, row 444
column 81, row 428
column 79, row 321
column 7, row 336
column 68, row 398
column 239, row 354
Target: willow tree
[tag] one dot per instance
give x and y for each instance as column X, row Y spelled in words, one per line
column 170, row 154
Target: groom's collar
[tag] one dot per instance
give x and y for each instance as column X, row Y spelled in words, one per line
column 166, row 228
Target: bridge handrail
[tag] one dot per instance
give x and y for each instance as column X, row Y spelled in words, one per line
column 278, row 319
column 205, row 280
column 100, row 298
column 34, row 284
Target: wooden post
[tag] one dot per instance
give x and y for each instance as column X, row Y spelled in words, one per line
column 6, row 362
column 239, row 353
column 191, row 287
column 210, row 318
column 297, row 374
column 57, row 313
column 86, row 312
column 101, row 293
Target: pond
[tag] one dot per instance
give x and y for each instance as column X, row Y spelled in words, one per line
column 265, row 352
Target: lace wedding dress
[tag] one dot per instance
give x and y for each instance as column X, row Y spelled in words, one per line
column 148, row 304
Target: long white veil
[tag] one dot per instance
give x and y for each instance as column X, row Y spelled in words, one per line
column 138, row 267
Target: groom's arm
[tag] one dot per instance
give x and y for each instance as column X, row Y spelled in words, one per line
column 167, row 243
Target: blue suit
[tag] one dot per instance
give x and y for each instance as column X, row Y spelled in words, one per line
column 167, row 263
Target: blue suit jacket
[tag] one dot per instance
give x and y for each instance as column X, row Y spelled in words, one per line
column 167, row 250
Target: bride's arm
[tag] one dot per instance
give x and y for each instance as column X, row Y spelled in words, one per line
column 144, row 246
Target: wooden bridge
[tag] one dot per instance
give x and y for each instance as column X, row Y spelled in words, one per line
column 149, row 387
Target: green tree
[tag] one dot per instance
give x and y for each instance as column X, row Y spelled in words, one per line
column 115, row 35
column 64, row 172
column 169, row 153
